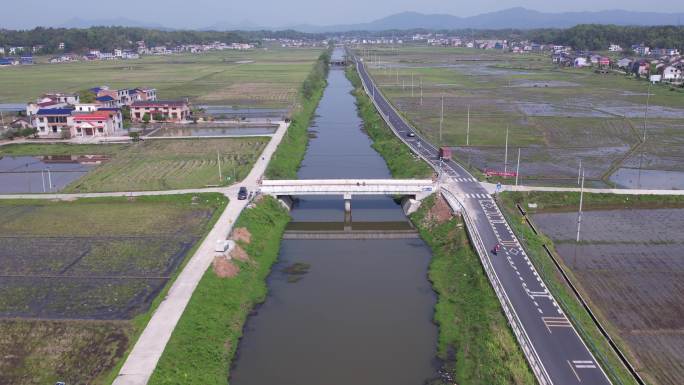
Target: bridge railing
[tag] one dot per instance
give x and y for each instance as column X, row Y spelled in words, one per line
column 507, row 306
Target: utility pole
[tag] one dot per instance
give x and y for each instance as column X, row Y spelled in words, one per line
column 506, row 152
column 49, row 179
column 648, row 97
column 421, row 91
column 468, row 128
column 42, row 178
column 579, row 172
column 411, row 84
column 517, row 168
column 579, row 213
column 403, row 84
column 218, row 160
column 441, row 121
column 397, row 75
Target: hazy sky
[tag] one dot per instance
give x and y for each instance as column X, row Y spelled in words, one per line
column 277, row 13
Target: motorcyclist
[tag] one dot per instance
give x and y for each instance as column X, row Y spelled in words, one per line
column 496, row 249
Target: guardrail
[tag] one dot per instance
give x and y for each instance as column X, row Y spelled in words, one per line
column 507, row 306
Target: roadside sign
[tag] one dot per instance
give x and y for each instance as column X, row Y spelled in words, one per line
column 498, row 187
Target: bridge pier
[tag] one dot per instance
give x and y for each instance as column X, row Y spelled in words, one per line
column 347, row 212
column 286, row 201
column 410, row 204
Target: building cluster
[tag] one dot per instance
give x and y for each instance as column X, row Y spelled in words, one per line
column 297, row 43
column 8, row 56
column 61, row 115
column 660, row 64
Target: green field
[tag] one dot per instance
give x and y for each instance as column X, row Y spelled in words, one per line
column 260, row 77
column 554, row 115
column 81, row 278
column 163, row 164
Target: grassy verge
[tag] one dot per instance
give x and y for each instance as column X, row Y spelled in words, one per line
column 533, row 244
column 290, row 153
column 204, row 341
column 399, row 158
column 475, row 341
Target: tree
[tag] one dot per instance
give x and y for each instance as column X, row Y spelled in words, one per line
column 134, row 135
column 86, row 96
column 158, row 117
column 146, row 118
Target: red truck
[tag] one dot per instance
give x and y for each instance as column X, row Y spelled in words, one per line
column 445, row 153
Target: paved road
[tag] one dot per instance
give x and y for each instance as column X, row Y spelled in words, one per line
column 617, row 191
column 554, row 349
column 142, row 360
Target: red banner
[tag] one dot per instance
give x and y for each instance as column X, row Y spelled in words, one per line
column 505, row 174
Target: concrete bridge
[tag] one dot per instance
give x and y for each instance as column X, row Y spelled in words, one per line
column 413, row 190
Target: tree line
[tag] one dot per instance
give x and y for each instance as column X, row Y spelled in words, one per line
column 106, row 39
column 599, row 36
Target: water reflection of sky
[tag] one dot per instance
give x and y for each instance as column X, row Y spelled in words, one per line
column 29, row 174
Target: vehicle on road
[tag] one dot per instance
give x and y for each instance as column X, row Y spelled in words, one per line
column 445, row 153
column 411, row 134
column 496, row 249
column 242, row 193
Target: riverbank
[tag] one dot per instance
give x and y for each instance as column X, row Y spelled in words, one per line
column 475, row 342
column 204, row 342
column 290, row 152
column 399, row 158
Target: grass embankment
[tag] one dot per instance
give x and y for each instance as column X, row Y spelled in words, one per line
column 399, row 158
column 475, row 340
column 290, row 153
column 204, row 341
column 533, row 244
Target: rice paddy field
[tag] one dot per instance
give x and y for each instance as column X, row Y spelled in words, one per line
column 79, row 278
column 163, row 164
column 255, row 78
column 629, row 264
column 555, row 116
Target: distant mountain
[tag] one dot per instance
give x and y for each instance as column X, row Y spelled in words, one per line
column 119, row 22
column 520, row 18
column 244, row 25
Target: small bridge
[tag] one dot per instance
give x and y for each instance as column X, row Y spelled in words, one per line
column 413, row 190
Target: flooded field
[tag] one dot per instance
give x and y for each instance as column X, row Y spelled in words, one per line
column 648, row 179
column 631, row 265
column 557, row 110
column 93, row 260
column 38, row 174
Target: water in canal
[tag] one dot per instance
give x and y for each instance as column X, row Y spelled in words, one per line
column 362, row 313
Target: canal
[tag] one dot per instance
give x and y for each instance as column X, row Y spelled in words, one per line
column 342, row 311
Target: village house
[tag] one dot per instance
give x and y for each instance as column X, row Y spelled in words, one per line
column 52, row 122
column 160, row 111
column 614, row 48
column 97, row 123
column 671, row 73
column 580, row 62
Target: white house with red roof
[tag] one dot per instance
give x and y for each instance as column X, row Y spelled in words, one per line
column 97, row 123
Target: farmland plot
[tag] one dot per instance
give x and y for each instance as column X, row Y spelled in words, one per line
column 631, row 265
column 74, row 276
column 162, row 164
column 556, row 116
